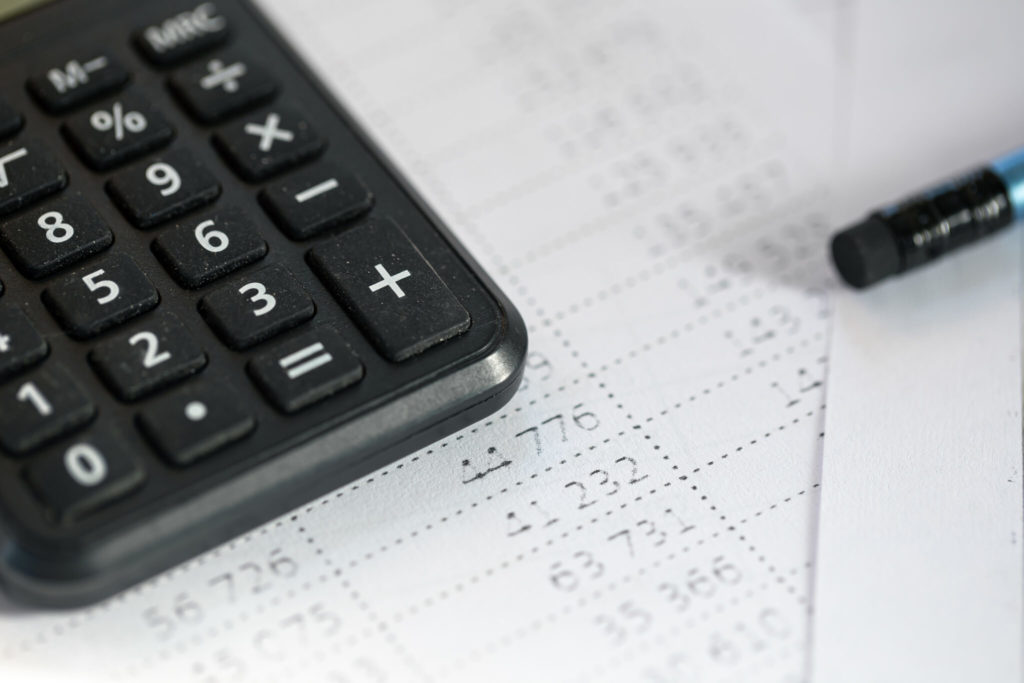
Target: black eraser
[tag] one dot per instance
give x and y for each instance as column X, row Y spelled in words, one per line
column 866, row 252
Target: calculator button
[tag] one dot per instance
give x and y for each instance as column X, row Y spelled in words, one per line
column 21, row 346
column 195, row 421
column 137, row 363
column 10, row 120
column 76, row 81
column 214, row 89
column 315, row 199
column 267, row 143
column 162, row 188
column 182, row 35
column 54, row 235
column 117, row 131
column 305, row 369
column 100, row 296
column 41, row 407
column 257, row 307
column 390, row 290
column 28, row 172
column 204, row 248
column 90, row 472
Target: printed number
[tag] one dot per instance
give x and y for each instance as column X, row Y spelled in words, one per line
column 113, row 291
column 30, row 392
column 213, row 241
column 163, row 175
column 152, row 356
column 57, row 230
column 269, row 302
column 85, row 464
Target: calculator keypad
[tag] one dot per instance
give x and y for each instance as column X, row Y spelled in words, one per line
column 225, row 84
column 139, row 362
column 54, row 235
column 204, row 248
column 117, row 131
column 40, row 407
column 28, row 172
column 206, row 266
column 100, row 296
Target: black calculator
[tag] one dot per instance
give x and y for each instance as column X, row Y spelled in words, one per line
column 218, row 299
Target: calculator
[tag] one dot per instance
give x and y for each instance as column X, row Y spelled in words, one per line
column 219, row 300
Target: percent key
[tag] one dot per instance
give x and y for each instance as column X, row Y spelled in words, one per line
column 117, row 131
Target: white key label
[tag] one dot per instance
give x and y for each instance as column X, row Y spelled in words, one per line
column 305, row 360
column 389, row 280
column 222, row 76
column 269, row 132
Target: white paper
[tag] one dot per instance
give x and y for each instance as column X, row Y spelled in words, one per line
column 648, row 181
column 920, row 560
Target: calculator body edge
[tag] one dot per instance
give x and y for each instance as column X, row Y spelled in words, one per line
column 52, row 566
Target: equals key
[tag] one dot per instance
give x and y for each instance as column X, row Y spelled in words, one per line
column 315, row 199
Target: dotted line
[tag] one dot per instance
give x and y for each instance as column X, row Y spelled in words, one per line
column 767, row 435
column 774, row 506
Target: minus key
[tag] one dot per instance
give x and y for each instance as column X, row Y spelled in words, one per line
column 315, row 199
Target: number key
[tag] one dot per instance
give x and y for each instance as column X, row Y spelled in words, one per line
column 202, row 249
column 55, row 235
column 89, row 472
column 251, row 310
column 43, row 406
column 100, row 297
column 137, row 363
column 160, row 189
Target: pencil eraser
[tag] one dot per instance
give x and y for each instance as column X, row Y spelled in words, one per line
column 866, row 252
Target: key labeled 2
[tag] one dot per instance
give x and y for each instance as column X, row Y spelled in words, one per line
column 101, row 296
column 54, row 236
column 205, row 248
column 159, row 189
column 257, row 307
column 141, row 361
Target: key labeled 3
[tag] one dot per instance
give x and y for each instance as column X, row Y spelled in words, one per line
column 253, row 309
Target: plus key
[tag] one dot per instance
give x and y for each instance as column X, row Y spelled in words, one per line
column 390, row 289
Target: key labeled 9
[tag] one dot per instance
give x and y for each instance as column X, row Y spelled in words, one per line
column 164, row 176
